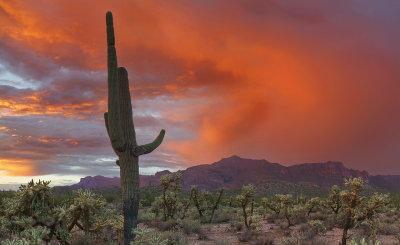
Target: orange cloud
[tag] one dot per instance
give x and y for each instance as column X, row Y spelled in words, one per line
column 262, row 79
column 16, row 167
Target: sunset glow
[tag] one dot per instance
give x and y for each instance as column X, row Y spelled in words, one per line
column 284, row 81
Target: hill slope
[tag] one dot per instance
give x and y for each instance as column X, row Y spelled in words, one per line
column 234, row 171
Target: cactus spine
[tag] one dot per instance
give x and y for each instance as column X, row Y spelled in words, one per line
column 121, row 131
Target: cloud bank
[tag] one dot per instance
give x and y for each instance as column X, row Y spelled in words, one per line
column 279, row 80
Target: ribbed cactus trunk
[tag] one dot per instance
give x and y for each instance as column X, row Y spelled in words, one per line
column 121, row 131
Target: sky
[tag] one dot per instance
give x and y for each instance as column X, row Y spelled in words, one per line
column 286, row 81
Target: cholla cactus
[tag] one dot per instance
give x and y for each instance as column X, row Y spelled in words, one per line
column 244, row 199
column 272, row 204
column 350, row 200
column 216, row 202
column 200, row 199
column 205, row 201
column 85, row 211
column 312, row 204
column 16, row 241
column 147, row 237
column 301, row 199
column 317, row 226
column 32, row 214
column 287, row 207
column 171, row 186
column 31, row 206
column 334, row 202
column 358, row 208
column 369, row 209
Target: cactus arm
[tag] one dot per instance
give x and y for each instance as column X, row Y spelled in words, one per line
column 106, row 122
column 114, row 127
column 145, row 149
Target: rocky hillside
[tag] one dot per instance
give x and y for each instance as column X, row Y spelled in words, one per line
column 233, row 172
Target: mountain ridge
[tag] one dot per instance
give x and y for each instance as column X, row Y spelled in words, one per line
column 233, row 172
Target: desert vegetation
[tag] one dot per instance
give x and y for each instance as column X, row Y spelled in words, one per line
column 170, row 215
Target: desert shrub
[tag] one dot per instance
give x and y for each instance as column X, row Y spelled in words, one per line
column 340, row 219
column 157, row 206
column 318, row 241
column 388, row 229
column 388, row 219
column 222, row 241
column 255, row 225
column 296, row 238
column 306, row 229
column 146, row 197
column 283, row 224
column 317, row 226
column 148, row 237
column 30, row 236
column 4, row 195
column 238, row 222
column 363, row 241
column 175, row 238
column 263, row 241
column 298, row 214
column 395, row 201
column 245, row 236
column 330, row 222
column 146, row 217
column 80, row 238
column 15, row 241
column 167, row 225
column 222, row 215
column 191, row 226
column 319, row 216
column 111, row 198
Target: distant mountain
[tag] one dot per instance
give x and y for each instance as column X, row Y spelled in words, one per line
column 99, row 181
column 389, row 182
column 234, row 171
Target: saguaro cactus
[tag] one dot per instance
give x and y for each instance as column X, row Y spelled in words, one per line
column 121, row 131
